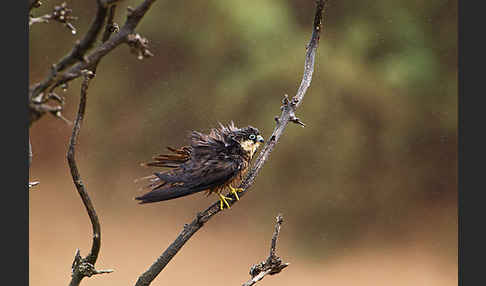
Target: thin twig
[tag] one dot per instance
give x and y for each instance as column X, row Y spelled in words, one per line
column 83, row 267
column 273, row 264
column 110, row 26
column 276, row 233
column 288, row 109
column 35, row 183
column 30, row 153
column 41, row 19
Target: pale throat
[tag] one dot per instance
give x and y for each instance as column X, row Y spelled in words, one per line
column 250, row 146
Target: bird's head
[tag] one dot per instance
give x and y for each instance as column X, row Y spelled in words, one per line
column 249, row 139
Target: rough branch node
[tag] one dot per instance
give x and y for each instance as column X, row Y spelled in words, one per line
column 114, row 28
column 139, row 45
column 81, row 267
column 61, row 13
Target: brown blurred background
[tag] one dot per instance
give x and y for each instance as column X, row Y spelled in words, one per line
column 368, row 189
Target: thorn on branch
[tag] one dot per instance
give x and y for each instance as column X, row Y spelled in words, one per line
column 33, row 184
column 139, row 45
column 56, row 110
column 290, row 106
column 58, row 113
column 295, row 119
column 40, row 108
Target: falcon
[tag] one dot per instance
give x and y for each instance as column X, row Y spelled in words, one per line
column 212, row 163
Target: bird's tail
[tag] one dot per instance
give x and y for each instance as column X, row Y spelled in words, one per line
column 167, row 192
column 174, row 160
column 162, row 187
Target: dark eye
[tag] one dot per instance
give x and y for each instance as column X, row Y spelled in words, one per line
column 252, row 137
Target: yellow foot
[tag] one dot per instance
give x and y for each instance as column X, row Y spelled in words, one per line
column 235, row 191
column 223, row 199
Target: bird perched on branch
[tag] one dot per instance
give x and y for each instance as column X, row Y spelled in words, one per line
column 212, row 163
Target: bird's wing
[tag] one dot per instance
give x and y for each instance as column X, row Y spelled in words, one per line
column 203, row 174
column 193, row 178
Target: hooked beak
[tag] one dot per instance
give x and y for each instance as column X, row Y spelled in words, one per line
column 260, row 139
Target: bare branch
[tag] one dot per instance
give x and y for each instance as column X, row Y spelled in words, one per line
column 133, row 19
column 273, row 264
column 76, row 60
column 288, row 108
column 78, row 51
column 83, row 267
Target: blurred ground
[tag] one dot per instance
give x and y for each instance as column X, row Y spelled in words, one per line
column 368, row 189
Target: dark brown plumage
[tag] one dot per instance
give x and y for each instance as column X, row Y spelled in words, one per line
column 211, row 163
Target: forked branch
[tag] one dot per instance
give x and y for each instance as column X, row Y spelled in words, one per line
column 70, row 66
column 288, row 115
column 273, row 264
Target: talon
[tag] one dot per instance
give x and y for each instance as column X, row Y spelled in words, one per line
column 223, row 199
column 235, row 191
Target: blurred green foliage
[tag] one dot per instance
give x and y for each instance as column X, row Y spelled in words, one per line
column 380, row 147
